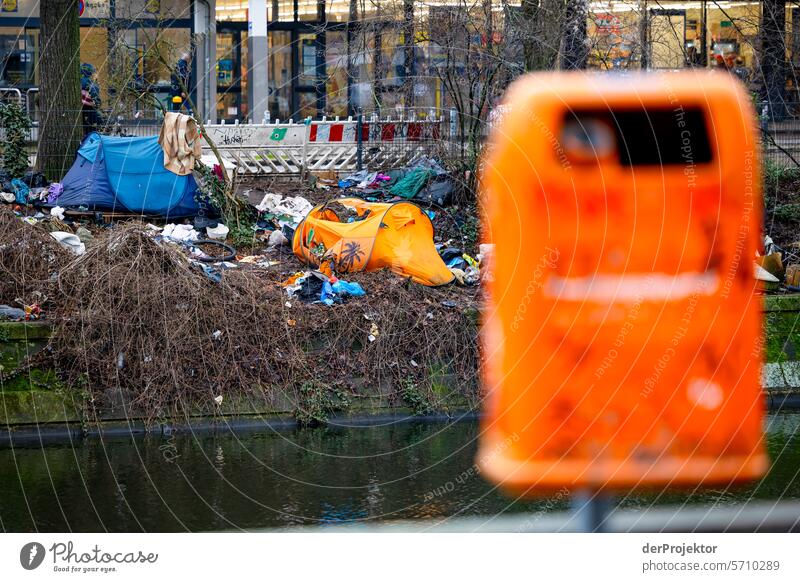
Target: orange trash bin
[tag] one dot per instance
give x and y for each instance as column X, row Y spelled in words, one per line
column 622, row 335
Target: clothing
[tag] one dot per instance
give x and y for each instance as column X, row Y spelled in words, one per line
column 180, row 141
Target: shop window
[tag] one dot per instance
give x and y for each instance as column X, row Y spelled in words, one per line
column 94, row 50
column 362, row 50
column 306, row 105
column 307, row 59
column 308, row 10
column 280, row 10
column 232, row 10
column 153, row 9
column 336, row 74
column 337, row 10
column 280, row 74
column 18, row 56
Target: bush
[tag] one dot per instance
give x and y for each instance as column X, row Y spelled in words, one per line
column 16, row 124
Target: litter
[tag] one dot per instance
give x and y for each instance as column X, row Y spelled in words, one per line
column 412, row 183
column 768, row 281
column 472, row 276
column 219, row 232
column 32, row 312
column 438, row 190
column 69, row 241
column 210, row 272
column 457, row 263
column 12, row 313
column 218, row 400
column 287, row 210
column 772, row 263
column 84, row 235
column 277, row 239
column 335, row 290
column 21, row 191
column 7, row 197
column 344, row 288
column 373, row 332
column 459, row 275
column 470, row 261
column 54, row 191
column 327, row 295
column 180, row 232
column 37, row 195
column 216, row 335
column 793, row 275
column 57, row 212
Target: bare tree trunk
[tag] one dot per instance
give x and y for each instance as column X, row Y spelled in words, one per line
column 60, row 87
column 408, row 50
column 644, row 46
column 575, row 51
column 541, row 37
column 773, row 56
column 349, row 41
column 530, row 40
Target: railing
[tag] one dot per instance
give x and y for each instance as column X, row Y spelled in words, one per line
column 296, row 147
column 8, row 94
column 780, row 137
column 326, row 145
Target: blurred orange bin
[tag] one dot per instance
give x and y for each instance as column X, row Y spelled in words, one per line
column 622, row 334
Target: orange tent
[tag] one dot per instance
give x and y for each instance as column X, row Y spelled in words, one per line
column 397, row 236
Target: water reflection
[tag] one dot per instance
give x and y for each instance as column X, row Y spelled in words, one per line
column 322, row 476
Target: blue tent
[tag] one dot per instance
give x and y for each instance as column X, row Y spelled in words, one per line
column 127, row 174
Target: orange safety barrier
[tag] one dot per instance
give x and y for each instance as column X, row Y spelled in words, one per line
column 622, row 332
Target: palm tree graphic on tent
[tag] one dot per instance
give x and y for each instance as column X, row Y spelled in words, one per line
column 351, row 256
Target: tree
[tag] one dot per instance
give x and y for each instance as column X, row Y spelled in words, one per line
column 470, row 65
column 540, row 32
column 60, row 87
column 773, row 55
column 575, row 51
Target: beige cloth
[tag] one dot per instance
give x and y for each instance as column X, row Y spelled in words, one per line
column 180, row 141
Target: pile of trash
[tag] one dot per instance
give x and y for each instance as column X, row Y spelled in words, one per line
column 31, row 188
column 778, row 269
column 144, row 323
column 424, row 182
column 315, row 286
column 30, row 259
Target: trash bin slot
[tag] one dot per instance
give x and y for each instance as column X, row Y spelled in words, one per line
column 638, row 137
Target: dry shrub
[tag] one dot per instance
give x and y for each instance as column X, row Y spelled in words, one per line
column 29, row 260
column 138, row 322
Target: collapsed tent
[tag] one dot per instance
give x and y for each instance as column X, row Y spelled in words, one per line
column 127, row 174
column 397, row 236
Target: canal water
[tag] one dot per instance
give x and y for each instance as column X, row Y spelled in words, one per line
column 304, row 477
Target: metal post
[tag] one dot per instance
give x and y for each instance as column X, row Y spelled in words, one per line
column 704, row 35
column 359, row 141
column 590, row 511
column 257, row 60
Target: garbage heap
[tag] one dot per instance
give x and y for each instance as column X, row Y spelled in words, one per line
column 140, row 323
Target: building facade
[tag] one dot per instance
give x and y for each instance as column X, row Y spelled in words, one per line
column 118, row 38
column 281, row 59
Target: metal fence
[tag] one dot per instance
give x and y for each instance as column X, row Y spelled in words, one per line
column 780, row 138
